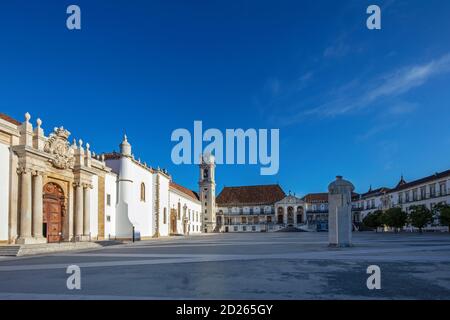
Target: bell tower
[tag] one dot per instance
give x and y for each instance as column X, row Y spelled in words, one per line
column 207, row 192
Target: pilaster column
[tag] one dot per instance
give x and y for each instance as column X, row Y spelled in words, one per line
column 87, row 209
column 78, row 209
column 25, row 204
column 37, row 204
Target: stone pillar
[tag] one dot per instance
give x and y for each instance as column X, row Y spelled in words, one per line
column 340, row 212
column 295, row 214
column 87, row 210
column 38, row 136
column 14, row 200
column 26, row 132
column 78, row 210
column 69, row 235
column 25, row 206
column 37, row 205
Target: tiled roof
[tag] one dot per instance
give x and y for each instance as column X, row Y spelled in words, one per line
column 375, row 192
column 316, row 197
column 112, row 155
column 9, row 119
column 250, row 195
column 321, row 197
column 186, row 191
column 436, row 176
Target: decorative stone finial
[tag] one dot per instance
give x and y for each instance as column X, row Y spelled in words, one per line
column 38, row 122
column 80, row 143
column 88, row 146
column 27, row 117
column 125, row 147
column 103, row 158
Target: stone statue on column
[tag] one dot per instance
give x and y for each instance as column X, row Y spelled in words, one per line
column 340, row 212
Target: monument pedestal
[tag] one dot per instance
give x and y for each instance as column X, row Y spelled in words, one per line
column 340, row 213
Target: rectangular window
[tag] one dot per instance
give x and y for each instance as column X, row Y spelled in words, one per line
column 235, row 228
column 244, row 228
column 442, row 189
column 253, row 228
column 432, row 190
column 108, row 200
column 400, row 197
column 108, row 218
column 415, row 195
column 407, row 196
column 423, row 193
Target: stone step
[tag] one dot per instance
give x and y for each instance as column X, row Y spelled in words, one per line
column 11, row 251
column 107, row 243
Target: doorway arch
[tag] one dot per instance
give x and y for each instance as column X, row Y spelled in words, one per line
column 290, row 216
column 53, row 212
column 280, row 215
column 173, row 221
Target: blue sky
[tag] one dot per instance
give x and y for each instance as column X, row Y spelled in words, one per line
column 369, row 105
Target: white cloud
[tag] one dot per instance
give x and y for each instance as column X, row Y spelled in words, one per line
column 357, row 95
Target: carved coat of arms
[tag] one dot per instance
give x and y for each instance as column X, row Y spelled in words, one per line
column 58, row 146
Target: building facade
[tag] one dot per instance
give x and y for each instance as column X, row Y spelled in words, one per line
column 427, row 191
column 248, row 208
column 52, row 190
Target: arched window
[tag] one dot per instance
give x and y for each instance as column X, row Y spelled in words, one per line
column 165, row 216
column 143, row 192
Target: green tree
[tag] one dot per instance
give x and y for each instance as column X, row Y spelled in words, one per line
column 372, row 220
column 442, row 211
column 394, row 217
column 420, row 216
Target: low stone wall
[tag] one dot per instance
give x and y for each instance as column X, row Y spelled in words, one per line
column 31, row 249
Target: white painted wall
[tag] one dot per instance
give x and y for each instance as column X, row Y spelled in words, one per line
column 4, row 191
column 192, row 209
column 142, row 210
column 163, row 203
column 110, row 210
column 130, row 210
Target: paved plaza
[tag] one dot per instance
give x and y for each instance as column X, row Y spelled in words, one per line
column 240, row 266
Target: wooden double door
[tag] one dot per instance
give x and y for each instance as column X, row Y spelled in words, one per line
column 53, row 205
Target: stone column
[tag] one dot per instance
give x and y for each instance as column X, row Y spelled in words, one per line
column 78, row 210
column 37, row 205
column 69, row 235
column 14, row 201
column 87, row 209
column 25, row 206
column 295, row 214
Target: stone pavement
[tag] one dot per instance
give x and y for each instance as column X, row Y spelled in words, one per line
column 240, row 266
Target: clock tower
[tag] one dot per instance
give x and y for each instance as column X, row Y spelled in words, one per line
column 207, row 192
